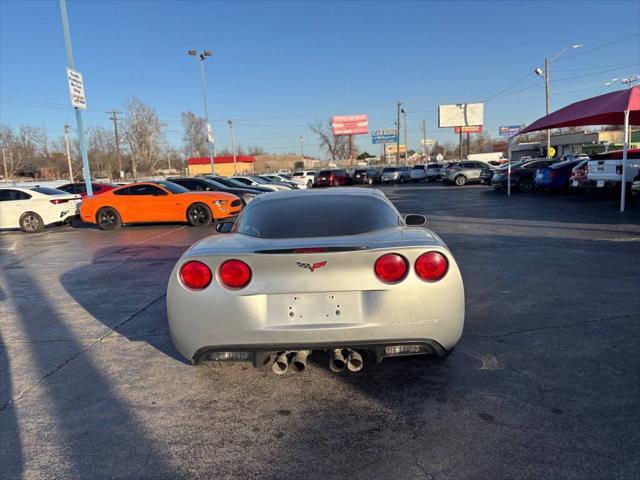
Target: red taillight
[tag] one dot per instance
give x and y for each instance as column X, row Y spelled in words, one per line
column 431, row 266
column 195, row 275
column 391, row 268
column 234, row 274
column 58, row 201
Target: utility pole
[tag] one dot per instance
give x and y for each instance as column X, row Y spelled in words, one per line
column 424, row 141
column 302, row 151
column 4, row 163
column 233, row 145
column 83, row 151
column 398, row 135
column 406, row 147
column 66, row 144
column 114, row 118
column 548, row 101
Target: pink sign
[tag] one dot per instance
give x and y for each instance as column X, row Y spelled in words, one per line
column 350, row 125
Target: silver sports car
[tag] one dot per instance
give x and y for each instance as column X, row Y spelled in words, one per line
column 299, row 271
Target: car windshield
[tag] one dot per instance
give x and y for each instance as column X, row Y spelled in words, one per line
column 216, row 183
column 297, row 216
column 48, row 191
column 418, row 167
column 325, row 172
column 566, row 163
column 389, row 169
column 172, row 187
column 260, row 180
column 359, row 171
column 298, row 174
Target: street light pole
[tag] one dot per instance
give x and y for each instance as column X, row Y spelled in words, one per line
column 66, row 143
column 406, row 147
column 233, row 145
column 302, row 150
column 398, row 135
column 210, row 135
column 424, row 141
column 538, row 71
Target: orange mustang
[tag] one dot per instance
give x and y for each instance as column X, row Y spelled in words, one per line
column 147, row 202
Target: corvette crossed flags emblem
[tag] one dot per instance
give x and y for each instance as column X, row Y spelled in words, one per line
column 311, row 266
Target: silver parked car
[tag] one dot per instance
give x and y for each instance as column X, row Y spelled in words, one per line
column 364, row 282
column 465, row 172
column 398, row 174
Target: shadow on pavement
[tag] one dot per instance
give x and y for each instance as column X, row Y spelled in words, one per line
column 75, row 409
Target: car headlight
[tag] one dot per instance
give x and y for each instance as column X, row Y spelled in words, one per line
column 220, row 202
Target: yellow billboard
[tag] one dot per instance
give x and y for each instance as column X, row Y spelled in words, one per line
column 391, row 149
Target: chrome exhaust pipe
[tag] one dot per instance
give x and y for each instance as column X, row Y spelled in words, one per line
column 336, row 361
column 354, row 361
column 281, row 364
column 299, row 361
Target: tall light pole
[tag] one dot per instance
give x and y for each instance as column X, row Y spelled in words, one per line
column 80, row 125
column 406, row 147
column 66, row 143
column 233, row 145
column 210, row 135
column 538, row 71
column 398, row 135
column 302, row 150
column 424, row 141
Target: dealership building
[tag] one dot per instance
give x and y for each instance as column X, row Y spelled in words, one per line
column 224, row 166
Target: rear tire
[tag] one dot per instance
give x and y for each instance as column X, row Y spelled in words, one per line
column 401, row 180
column 199, row 215
column 526, row 186
column 310, row 184
column 108, row 218
column 31, row 222
column 336, row 183
column 460, row 180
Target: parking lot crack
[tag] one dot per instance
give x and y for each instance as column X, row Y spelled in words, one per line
column 59, row 367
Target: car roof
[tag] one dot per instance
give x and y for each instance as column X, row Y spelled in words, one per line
column 337, row 192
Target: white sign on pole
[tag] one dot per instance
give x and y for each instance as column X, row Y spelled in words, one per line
column 429, row 142
column 461, row 115
column 209, row 133
column 76, row 89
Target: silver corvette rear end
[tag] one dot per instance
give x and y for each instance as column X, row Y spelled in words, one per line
column 321, row 293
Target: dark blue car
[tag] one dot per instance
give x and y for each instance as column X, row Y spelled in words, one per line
column 556, row 176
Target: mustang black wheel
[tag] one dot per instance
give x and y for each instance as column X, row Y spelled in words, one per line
column 199, row 215
column 108, row 218
column 31, row 222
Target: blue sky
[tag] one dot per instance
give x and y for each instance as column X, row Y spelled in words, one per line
column 280, row 65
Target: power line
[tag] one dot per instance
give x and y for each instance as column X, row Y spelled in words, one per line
column 584, row 52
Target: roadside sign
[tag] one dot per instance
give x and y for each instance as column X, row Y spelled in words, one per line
column 392, row 149
column 350, row 124
column 76, row 89
column 470, row 129
column 389, row 135
column 508, row 130
column 429, row 142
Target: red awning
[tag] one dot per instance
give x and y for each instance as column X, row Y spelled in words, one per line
column 605, row 109
column 219, row 160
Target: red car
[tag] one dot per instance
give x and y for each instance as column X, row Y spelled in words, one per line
column 81, row 189
column 333, row 178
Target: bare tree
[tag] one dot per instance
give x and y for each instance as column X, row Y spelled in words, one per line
column 101, row 151
column 194, row 138
column 143, row 134
column 22, row 146
column 337, row 147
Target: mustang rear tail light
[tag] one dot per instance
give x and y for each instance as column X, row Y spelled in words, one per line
column 431, row 266
column 234, row 274
column 195, row 275
column 391, row 268
column 58, row 201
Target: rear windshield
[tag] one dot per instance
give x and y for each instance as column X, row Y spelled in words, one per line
column 48, row 191
column 360, row 171
column 566, row 163
column 325, row 172
column 433, row 166
column 298, row 174
column 418, row 167
column 389, row 169
column 302, row 216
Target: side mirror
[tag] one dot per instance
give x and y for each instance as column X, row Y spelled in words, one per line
column 224, row 227
column 413, row 220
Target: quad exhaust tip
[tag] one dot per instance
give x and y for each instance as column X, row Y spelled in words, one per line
column 336, row 361
column 354, row 361
column 298, row 363
column 280, row 364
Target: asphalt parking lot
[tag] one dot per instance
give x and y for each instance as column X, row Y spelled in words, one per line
column 544, row 383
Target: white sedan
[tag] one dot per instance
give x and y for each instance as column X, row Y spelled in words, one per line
column 31, row 209
column 363, row 283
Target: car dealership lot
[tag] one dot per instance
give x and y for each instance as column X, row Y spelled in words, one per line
column 543, row 384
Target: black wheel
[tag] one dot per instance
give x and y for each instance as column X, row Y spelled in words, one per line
column 526, row 186
column 336, row 183
column 310, row 184
column 460, row 180
column 31, row 222
column 199, row 215
column 401, row 179
column 108, row 218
